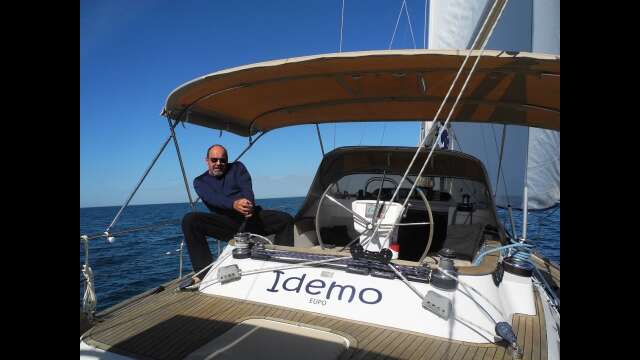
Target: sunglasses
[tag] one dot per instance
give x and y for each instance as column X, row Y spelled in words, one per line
column 221, row 160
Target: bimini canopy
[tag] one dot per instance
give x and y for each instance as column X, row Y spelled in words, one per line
column 507, row 88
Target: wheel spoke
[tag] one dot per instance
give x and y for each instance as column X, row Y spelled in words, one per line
column 414, row 224
column 356, row 238
column 347, row 209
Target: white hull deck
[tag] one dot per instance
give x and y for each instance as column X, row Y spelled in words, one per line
column 173, row 325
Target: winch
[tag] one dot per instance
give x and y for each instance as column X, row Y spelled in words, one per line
column 439, row 279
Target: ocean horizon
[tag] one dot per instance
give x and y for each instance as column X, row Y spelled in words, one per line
column 184, row 202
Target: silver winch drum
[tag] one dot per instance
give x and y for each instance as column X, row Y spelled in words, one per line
column 242, row 250
column 439, row 279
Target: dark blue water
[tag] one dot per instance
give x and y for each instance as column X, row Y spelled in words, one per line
column 141, row 260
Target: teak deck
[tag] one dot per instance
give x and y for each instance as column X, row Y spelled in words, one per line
column 170, row 325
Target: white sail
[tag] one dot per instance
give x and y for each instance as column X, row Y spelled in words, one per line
column 531, row 156
column 453, row 24
column 543, row 166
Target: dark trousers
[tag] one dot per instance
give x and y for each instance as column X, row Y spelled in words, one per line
column 196, row 226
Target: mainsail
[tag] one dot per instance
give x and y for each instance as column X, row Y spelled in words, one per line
column 529, row 157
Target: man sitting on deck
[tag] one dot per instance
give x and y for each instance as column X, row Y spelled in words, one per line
column 225, row 188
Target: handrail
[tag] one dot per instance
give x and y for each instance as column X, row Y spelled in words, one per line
column 125, row 231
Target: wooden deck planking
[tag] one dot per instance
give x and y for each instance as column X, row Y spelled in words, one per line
column 499, row 353
column 543, row 332
column 446, row 350
column 398, row 346
column 363, row 345
column 425, row 350
column 385, row 347
column 136, row 317
column 162, row 326
column 370, row 352
column 460, row 352
column 139, row 319
column 522, row 330
column 164, row 349
column 471, row 353
column 528, row 339
column 185, row 323
column 479, row 353
column 413, row 347
column 491, row 352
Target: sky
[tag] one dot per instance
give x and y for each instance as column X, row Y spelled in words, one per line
column 134, row 53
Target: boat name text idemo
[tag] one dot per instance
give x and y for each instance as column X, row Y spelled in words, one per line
column 369, row 296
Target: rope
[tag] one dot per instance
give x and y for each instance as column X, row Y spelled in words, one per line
column 458, row 318
column 499, row 248
column 520, row 253
column 404, row 280
column 262, row 237
column 89, row 300
column 218, row 260
column 471, row 297
column 464, row 86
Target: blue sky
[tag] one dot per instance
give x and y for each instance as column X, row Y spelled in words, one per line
column 134, row 53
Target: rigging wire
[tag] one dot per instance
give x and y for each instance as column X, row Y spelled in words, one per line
column 406, row 10
column 397, row 22
column 464, row 86
column 339, row 50
column 334, row 135
column 384, row 128
column 393, row 36
column 362, row 134
column 405, row 7
column 500, row 154
column 341, row 26
column 426, row 2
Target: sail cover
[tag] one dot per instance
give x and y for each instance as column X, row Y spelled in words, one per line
column 531, row 156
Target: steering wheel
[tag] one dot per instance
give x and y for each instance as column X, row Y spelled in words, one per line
column 369, row 226
column 379, row 178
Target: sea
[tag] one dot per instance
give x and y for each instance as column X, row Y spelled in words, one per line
column 146, row 254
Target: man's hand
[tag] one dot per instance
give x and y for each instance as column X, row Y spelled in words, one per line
column 243, row 206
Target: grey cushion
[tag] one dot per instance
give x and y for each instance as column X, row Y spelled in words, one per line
column 464, row 239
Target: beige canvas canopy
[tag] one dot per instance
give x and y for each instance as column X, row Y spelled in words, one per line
column 388, row 85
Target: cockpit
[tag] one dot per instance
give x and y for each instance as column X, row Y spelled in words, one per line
column 450, row 207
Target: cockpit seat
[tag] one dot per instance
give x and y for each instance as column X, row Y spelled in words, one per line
column 464, row 239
